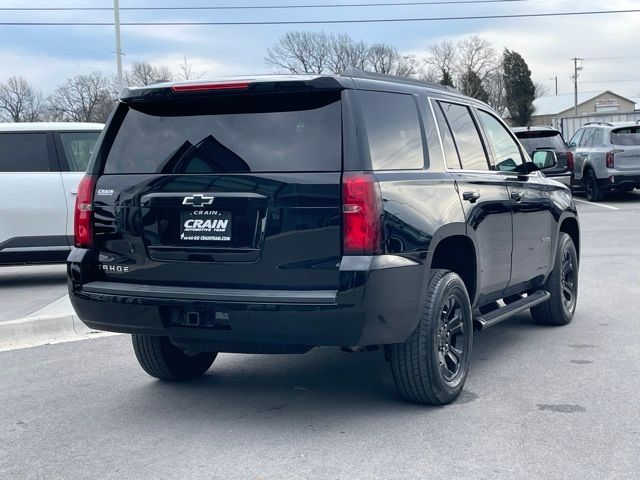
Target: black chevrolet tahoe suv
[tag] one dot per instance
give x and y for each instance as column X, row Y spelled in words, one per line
column 275, row 214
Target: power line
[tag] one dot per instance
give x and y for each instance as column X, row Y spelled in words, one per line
column 612, row 58
column 262, row 7
column 324, row 22
column 613, row 81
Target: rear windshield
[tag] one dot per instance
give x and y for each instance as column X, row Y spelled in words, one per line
column 532, row 141
column 626, row 137
column 261, row 133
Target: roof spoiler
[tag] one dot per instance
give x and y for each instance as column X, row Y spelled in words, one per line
column 230, row 86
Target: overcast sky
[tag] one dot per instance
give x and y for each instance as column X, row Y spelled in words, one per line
column 47, row 55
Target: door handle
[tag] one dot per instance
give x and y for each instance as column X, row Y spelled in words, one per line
column 471, row 196
column 73, row 192
column 517, row 196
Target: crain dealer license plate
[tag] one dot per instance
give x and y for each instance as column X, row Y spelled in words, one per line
column 205, row 226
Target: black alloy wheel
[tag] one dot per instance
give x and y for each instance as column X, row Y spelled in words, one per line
column 593, row 191
column 568, row 281
column 451, row 341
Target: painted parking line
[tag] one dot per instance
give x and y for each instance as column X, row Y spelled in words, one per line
column 595, row 204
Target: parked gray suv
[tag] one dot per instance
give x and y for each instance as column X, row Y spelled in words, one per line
column 607, row 158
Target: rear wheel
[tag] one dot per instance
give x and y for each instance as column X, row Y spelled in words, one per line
column 562, row 284
column 432, row 365
column 593, row 192
column 161, row 359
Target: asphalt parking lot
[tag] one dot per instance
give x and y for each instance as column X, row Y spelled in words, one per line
column 540, row 402
column 26, row 290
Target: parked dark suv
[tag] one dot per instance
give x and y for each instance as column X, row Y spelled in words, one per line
column 276, row 214
column 547, row 138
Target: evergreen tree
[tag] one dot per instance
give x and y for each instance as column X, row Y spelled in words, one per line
column 446, row 79
column 471, row 84
column 519, row 88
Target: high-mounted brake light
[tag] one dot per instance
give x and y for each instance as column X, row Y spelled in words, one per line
column 83, row 213
column 362, row 214
column 202, row 87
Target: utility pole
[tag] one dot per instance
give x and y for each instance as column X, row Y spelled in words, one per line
column 116, row 23
column 556, row 78
column 576, row 69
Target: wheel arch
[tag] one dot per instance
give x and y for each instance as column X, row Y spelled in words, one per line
column 452, row 249
column 569, row 225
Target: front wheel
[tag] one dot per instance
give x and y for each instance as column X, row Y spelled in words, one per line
column 432, row 365
column 162, row 359
column 562, row 284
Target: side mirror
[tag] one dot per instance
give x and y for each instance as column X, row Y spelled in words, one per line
column 572, row 146
column 544, row 159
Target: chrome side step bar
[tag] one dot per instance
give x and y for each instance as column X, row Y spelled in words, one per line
column 489, row 319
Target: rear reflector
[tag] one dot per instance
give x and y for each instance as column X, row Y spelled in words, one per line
column 83, row 213
column 201, row 87
column 362, row 214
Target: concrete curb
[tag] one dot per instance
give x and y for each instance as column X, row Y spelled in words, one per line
column 43, row 330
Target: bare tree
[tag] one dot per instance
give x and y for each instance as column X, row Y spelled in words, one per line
column 20, row 102
column 301, row 52
column 83, row 98
column 442, row 57
column 541, row 89
column 313, row 52
column 383, row 58
column 494, row 85
column 476, row 55
column 186, row 72
column 143, row 73
column 346, row 52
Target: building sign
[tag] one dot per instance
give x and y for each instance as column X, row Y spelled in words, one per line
column 607, row 102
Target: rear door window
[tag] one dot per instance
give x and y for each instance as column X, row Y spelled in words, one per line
column 78, row 147
column 233, row 134
column 587, row 139
column 451, row 154
column 626, row 137
column 466, row 136
column 24, row 152
column 393, row 130
column 536, row 140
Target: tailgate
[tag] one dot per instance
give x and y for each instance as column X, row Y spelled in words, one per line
column 244, row 194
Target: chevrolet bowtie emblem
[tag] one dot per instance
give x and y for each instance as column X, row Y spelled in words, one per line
column 197, row 200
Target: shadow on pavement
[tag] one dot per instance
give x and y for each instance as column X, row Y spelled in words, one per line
column 322, row 385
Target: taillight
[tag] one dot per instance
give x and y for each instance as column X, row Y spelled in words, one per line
column 201, row 87
column 362, row 214
column 570, row 161
column 83, row 213
column 611, row 158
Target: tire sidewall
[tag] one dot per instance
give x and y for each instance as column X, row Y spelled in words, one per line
column 450, row 284
column 566, row 243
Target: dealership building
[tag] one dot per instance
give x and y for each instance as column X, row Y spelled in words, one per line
column 551, row 108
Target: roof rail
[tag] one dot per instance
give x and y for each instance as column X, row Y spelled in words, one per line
column 599, row 123
column 357, row 73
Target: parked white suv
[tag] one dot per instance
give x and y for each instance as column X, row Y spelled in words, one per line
column 41, row 165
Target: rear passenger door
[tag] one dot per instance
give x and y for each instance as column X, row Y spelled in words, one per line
column 33, row 211
column 484, row 196
column 530, row 194
column 74, row 150
column 581, row 150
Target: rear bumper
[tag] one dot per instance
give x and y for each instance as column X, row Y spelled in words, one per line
column 377, row 303
column 618, row 181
